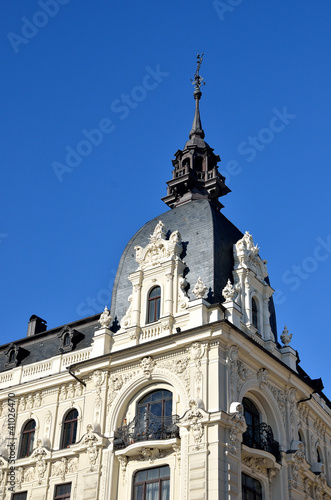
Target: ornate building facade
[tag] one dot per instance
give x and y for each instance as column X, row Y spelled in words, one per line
column 181, row 391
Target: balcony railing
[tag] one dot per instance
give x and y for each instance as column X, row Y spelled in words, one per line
column 261, row 437
column 146, row 427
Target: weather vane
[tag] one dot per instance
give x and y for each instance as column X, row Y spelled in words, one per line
column 198, row 80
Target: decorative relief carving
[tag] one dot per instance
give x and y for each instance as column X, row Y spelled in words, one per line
column 159, row 248
column 70, row 391
column 182, row 295
column 199, row 289
column 98, row 378
column 105, row 318
column 256, row 464
column 72, row 464
column 179, row 366
column 48, row 421
column 147, row 365
column 192, row 419
column 246, row 255
column 19, row 477
column 151, row 454
column 39, row 455
column 262, row 377
column 29, row 474
column 177, row 450
column 116, row 382
column 59, row 468
column 238, row 424
column 126, row 320
column 123, row 460
column 197, row 352
column 89, row 440
column 230, row 292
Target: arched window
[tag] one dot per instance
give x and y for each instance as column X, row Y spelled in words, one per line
column 319, row 456
column 154, row 415
column 255, row 320
column 27, row 439
column 251, row 488
column 252, row 416
column 66, row 340
column 69, row 430
column 12, row 356
column 152, row 484
column 154, row 304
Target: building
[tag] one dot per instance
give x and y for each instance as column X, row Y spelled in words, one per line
column 182, row 390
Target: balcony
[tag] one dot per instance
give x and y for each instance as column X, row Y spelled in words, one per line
column 260, row 437
column 146, row 427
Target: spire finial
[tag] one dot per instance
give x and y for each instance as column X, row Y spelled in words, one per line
column 198, row 80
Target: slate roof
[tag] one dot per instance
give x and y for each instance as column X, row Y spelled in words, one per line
column 45, row 345
column 208, row 238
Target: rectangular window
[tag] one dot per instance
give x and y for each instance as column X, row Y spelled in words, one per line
column 62, row 491
column 251, row 488
column 152, row 484
column 19, row 496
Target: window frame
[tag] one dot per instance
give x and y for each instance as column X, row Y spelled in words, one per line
column 65, row 495
column 151, row 481
column 143, row 409
column 19, row 495
column 65, row 443
column 245, row 488
column 155, row 316
column 27, row 439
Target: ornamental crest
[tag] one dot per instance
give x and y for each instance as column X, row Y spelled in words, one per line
column 159, row 248
column 246, row 255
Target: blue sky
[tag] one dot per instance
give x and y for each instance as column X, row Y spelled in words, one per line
column 124, row 69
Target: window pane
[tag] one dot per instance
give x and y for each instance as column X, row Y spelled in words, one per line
column 156, row 409
column 19, row 496
column 165, row 471
column 139, row 492
column 152, row 491
column 149, row 485
column 153, row 473
column 62, row 491
column 165, row 490
column 141, row 476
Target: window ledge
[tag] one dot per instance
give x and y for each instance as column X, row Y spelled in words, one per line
column 139, row 447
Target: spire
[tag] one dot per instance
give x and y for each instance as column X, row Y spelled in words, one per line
column 195, row 175
column 197, row 82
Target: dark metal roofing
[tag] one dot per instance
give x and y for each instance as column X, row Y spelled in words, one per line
column 45, row 345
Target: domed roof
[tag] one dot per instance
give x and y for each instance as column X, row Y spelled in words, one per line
column 208, row 238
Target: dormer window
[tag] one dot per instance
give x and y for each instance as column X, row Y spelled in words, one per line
column 66, row 340
column 12, row 356
column 154, row 305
